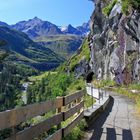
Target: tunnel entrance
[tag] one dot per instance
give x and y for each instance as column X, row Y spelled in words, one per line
column 89, row 77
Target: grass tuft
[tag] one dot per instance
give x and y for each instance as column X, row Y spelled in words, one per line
column 107, row 10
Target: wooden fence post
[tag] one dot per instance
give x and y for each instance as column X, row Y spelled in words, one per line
column 77, row 102
column 59, row 111
column 14, row 131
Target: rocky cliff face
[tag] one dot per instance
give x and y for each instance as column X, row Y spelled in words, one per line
column 114, row 43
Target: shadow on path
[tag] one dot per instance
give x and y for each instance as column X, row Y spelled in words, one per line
column 110, row 134
column 97, row 126
column 127, row 135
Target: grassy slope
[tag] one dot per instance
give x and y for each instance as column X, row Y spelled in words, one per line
column 56, row 38
column 63, row 45
column 23, row 50
column 39, row 77
column 83, row 52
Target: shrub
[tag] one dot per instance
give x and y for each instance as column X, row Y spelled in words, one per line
column 77, row 132
column 135, row 3
column 106, row 10
column 84, row 52
column 125, row 6
column 130, row 4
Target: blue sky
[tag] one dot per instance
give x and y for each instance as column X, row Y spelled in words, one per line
column 60, row 12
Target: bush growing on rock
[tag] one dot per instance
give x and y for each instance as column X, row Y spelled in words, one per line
column 127, row 5
column 107, row 9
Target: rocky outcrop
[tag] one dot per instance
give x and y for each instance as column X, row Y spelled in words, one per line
column 82, row 68
column 114, row 43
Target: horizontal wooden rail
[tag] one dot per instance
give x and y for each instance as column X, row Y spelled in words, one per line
column 36, row 130
column 64, row 131
column 14, row 117
column 68, row 129
column 68, row 99
column 73, row 110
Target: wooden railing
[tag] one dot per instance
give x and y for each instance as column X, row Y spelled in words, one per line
column 72, row 104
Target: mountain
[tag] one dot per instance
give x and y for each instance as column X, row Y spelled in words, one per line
column 25, row 51
column 79, row 30
column 64, row 41
column 71, row 30
column 36, row 27
column 84, row 29
column 4, row 24
column 63, row 45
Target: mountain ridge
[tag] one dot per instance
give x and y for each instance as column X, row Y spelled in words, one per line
column 37, row 43
column 24, row 51
column 37, row 27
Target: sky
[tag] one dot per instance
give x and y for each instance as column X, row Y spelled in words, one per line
column 59, row 12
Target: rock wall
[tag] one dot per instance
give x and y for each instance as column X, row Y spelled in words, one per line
column 114, row 44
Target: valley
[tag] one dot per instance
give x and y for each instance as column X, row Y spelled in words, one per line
column 63, row 45
column 40, row 44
